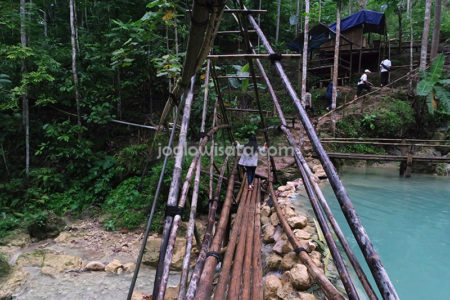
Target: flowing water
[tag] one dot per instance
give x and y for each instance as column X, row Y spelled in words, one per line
column 408, row 221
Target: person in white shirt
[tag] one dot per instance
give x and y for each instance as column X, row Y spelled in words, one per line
column 363, row 83
column 249, row 158
column 385, row 68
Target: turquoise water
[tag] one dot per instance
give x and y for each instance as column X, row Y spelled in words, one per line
column 408, row 221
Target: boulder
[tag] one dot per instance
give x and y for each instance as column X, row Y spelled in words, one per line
column 139, row 296
column 57, row 263
column 114, row 266
column 288, row 212
column 151, row 255
column 47, row 225
column 274, row 219
column 271, row 285
column 285, row 188
column 34, row 258
column 171, row 293
column 269, row 231
column 316, row 258
column 11, row 283
column 265, row 211
column 287, row 247
column 319, row 171
column 282, row 247
column 95, row 266
column 278, row 233
column 289, row 260
column 300, row 277
column 302, row 234
column 265, row 220
column 297, row 222
column 274, row 262
column 287, row 288
column 129, row 267
column 306, row 296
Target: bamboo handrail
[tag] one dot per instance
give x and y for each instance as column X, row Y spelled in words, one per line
column 385, row 139
column 381, row 277
column 242, row 56
column 381, row 143
column 257, row 290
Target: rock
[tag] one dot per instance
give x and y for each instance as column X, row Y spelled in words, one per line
column 151, row 255
column 288, row 212
column 282, row 247
column 171, row 293
column 287, row 247
column 57, row 263
column 16, row 238
column 319, row 171
column 119, row 271
column 95, row 266
column 271, row 285
column 274, row 262
column 10, row 284
column 129, row 267
column 34, row 258
column 316, row 258
column 5, row 268
column 289, row 260
column 278, row 233
column 287, row 288
column 47, row 225
column 269, row 231
column 265, row 211
column 139, row 296
column 274, row 219
column 265, row 220
column 285, row 188
column 114, row 266
column 302, row 234
column 287, row 194
column 300, row 277
column 306, row 296
column 297, row 222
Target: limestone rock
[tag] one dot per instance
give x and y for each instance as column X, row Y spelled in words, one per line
column 316, row 258
column 302, row 234
column 139, row 296
column 287, row 288
column 288, row 212
column 48, row 225
column 113, row 266
column 282, row 247
column 271, row 285
column 57, row 263
column 274, row 219
column 151, row 254
column 300, row 277
column 288, row 193
column 289, row 260
column 306, row 296
column 319, row 171
column 297, row 222
column 285, row 188
column 287, row 247
column 10, row 284
column 278, row 233
column 265, row 220
column 274, row 261
column 269, row 231
column 171, row 293
column 95, row 266
column 129, row 267
column 265, row 211
column 31, row 259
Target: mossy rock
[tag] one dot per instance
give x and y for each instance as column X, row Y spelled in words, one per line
column 46, row 225
column 5, row 268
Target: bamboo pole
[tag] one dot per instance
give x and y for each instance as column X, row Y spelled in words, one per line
column 386, row 139
column 254, row 55
column 237, row 268
column 381, row 277
column 249, row 247
column 187, row 255
column 208, row 234
column 175, row 184
column 317, row 189
column 205, row 283
column 387, row 157
column 257, row 289
column 177, row 218
column 221, row 286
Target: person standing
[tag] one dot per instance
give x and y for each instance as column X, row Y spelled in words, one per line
column 363, row 83
column 329, row 95
column 249, row 158
column 385, row 68
column 308, row 102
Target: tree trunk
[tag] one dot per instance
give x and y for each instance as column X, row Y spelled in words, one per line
column 25, row 108
column 278, row 21
column 305, row 51
column 426, row 30
column 411, row 43
column 296, row 15
column 320, row 9
column 336, row 63
column 436, row 29
column 349, row 7
column 400, row 30
column 363, row 4
column 74, row 59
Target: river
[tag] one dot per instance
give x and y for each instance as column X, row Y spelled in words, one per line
column 408, row 221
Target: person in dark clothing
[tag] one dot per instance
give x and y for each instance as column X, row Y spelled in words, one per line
column 329, row 95
column 363, row 83
column 385, row 68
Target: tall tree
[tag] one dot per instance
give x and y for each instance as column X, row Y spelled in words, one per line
column 411, row 43
column 305, row 50
column 363, row 4
column 278, row 21
column 25, row 107
column 74, row 58
column 426, row 30
column 320, row 9
column 336, row 63
column 436, row 29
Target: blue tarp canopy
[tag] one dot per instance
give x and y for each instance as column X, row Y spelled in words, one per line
column 371, row 21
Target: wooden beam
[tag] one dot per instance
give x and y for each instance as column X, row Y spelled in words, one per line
column 249, row 110
column 245, row 56
column 244, row 11
column 236, row 76
column 234, row 32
